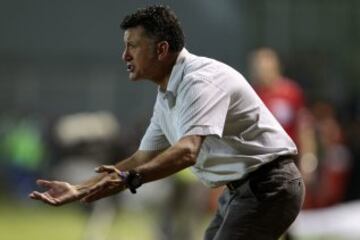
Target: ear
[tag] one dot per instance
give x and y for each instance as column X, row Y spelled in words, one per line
column 162, row 49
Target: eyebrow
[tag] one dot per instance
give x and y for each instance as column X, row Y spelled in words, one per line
column 129, row 41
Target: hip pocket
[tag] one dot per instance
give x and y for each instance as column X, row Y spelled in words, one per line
column 277, row 189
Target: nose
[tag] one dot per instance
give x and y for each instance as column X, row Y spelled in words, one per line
column 125, row 55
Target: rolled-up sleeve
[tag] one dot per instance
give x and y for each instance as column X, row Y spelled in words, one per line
column 154, row 138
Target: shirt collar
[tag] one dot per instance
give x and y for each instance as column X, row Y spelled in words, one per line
column 176, row 76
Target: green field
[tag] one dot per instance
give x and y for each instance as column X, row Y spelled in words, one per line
column 68, row 222
column 39, row 221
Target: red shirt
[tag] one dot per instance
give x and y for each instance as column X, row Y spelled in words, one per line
column 284, row 100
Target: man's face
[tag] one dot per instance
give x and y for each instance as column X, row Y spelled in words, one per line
column 139, row 54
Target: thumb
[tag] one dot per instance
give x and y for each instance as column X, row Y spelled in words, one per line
column 43, row 183
column 105, row 168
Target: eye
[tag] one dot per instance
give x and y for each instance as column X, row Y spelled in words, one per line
column 131, row 45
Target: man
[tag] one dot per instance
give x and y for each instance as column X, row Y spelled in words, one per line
column 208, row 117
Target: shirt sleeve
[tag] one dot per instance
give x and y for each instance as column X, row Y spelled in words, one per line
column 154, row 138
column 203, row 109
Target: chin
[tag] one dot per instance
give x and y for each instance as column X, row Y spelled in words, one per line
column 135, row 78
column 132, row 77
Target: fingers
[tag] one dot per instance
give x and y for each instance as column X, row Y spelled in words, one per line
column 44, row 198
column 107, row 168
column 104, row 168
column 33, row 195
column 44, row 183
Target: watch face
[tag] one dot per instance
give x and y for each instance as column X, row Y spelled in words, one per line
column 135, row 180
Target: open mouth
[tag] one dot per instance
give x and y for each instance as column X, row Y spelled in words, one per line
column 130, row 67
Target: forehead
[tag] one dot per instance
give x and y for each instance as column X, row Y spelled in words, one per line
column 134, row 34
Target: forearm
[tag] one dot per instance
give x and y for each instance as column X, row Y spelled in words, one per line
column 123, row 165
column 151, row 165
column 169, row 162
column 130, row 163
column 137, row 159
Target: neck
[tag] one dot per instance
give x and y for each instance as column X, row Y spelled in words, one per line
column 271, row 81
column 165, row 71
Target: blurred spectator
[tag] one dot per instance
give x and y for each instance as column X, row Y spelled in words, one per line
column 283, row 96
column 324, row 159
column 329, row 187
column 23, row 154
column 285, row 99
column 334, row 158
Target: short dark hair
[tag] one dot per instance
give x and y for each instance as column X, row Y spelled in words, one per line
column 159, row 22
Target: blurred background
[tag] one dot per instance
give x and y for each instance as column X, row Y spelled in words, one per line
column 66, row 106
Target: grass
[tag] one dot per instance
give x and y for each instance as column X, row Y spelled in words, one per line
column 39, row 221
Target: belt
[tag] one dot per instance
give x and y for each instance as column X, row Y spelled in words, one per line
column 276, row 162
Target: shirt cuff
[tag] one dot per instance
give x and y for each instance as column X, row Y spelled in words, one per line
column 153, row 146
column 204, row 131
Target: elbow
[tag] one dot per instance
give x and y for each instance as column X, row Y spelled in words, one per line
column 189, row 156
column 189, row 147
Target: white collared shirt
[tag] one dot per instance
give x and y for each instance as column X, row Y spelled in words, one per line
column 209, row 98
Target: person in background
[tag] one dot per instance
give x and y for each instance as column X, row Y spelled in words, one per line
column 285, row 99
column 334, row 157
column 24, row 154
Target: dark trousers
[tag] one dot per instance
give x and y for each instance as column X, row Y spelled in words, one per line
column 262, row 206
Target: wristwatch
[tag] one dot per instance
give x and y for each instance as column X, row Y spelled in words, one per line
column 132, row 180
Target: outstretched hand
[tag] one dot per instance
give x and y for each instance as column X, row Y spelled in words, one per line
column 58, row 193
